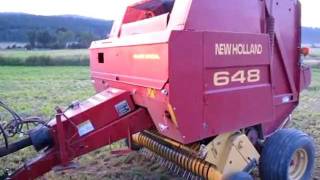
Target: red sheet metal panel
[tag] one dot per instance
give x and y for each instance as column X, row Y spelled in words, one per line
column 209, row 109
column 186, row 85
column 110, row 100
column 141, row 65
column 231, row 16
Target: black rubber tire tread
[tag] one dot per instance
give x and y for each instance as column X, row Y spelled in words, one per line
column 277, row 153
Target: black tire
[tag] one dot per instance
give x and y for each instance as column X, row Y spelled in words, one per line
column 278, row 152
column 240, row 176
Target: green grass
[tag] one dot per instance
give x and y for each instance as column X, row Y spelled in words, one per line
column 51, row 53
column 44, row 57
column 35, row 90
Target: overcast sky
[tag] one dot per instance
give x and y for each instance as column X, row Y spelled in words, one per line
column 109, row 9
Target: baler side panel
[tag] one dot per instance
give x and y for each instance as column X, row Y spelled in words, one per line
column 143, row 65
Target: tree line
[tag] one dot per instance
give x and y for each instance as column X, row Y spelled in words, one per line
column 59, row 39
column 51, row 31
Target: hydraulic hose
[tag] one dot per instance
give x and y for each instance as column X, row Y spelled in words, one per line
column 16, row 146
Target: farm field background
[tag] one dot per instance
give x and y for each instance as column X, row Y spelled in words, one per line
column 38, row 90
column 68, row 57
column 52, row 53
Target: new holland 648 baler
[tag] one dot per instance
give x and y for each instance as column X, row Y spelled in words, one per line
column 206, row 85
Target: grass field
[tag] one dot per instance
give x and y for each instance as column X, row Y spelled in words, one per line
column 37, row 90
column 44, row 57
column 41, row 89
column 51, row 53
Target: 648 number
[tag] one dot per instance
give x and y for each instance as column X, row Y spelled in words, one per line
column 224, row 78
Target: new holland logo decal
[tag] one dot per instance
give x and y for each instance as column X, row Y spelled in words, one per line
column 231, row 49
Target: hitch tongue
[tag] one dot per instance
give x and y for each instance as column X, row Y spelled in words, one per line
column 16, row 146
column 39, row 137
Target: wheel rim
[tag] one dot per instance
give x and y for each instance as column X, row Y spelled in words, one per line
column 298, row 164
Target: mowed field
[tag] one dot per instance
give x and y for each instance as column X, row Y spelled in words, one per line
column 69, row 57
column 38, row 90
column 51, row 53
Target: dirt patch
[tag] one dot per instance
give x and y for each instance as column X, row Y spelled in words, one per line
column 114, row 167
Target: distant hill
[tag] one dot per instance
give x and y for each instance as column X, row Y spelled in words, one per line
column 15, row 26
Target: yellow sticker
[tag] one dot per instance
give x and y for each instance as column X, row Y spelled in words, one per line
column 146, row 56
column 173, row 115
column 151, row 92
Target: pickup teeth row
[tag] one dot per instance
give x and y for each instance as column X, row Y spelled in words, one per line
column 180, row 163
column 175, row 169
